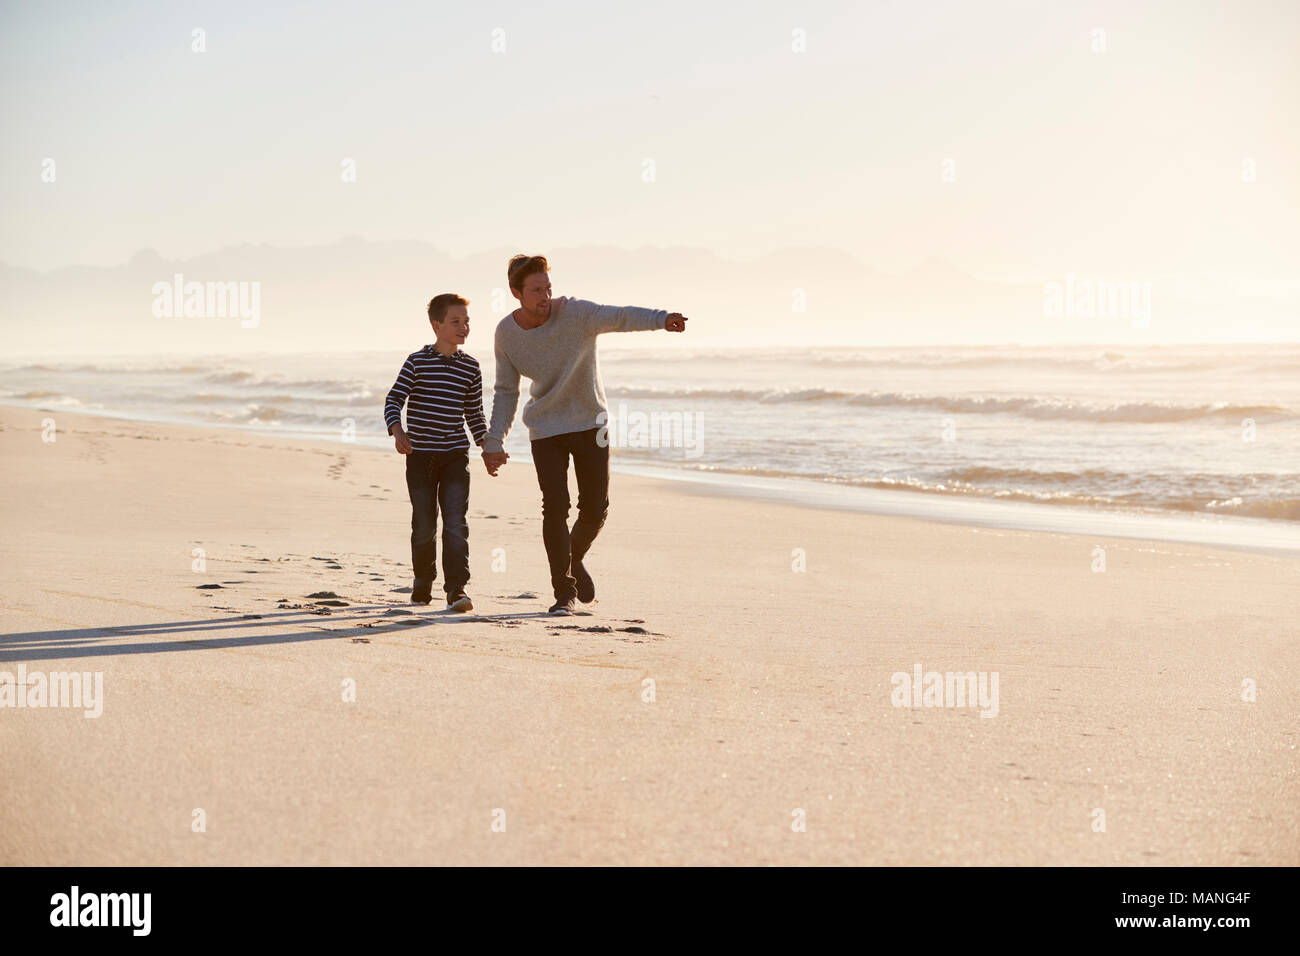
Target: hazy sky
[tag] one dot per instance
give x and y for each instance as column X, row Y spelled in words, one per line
column 1127, row 161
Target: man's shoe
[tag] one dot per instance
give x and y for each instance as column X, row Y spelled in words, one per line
column 459, row 603
column 421, row 592
column 586, row 586
column 563, row 607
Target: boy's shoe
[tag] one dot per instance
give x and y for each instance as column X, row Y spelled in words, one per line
column 586, row 587
column 421, row 592
column 563, row 607
column 460, row 603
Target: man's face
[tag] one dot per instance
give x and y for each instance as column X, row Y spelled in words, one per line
column 535, row 296
column 454, row 326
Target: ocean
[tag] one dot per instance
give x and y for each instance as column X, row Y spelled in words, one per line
column 1208, row 430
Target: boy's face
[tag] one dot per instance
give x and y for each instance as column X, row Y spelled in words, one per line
column 454, row 326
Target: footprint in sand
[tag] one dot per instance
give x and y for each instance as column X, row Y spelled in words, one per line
column 335, row 471
column 326, row 599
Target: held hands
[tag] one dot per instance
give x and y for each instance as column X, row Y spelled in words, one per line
column 676, row 322
column 491, row 460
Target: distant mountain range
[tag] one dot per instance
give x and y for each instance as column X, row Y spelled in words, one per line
column 372, row 295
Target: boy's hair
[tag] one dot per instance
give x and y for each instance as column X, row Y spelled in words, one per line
column 439, row 304
column 522, row 266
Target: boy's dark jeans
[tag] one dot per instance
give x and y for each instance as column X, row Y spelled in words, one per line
column 591, row 465
column 439, row 479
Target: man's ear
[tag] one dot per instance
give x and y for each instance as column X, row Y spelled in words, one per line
column 517, row 294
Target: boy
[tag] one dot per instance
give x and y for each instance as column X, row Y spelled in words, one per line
column 442, row 389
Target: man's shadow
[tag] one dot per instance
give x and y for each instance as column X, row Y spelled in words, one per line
column 101, row 641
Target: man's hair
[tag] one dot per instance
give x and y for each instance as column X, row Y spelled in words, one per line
column 522, row 266
column 439, row 305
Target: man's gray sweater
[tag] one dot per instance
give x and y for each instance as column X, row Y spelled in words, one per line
column 559, row 356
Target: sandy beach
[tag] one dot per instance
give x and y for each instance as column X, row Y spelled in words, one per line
column 715, row 706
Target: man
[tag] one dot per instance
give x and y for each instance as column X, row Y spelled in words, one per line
column 553, row 342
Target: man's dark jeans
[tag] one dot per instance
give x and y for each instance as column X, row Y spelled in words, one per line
column 565, row 548
column 439, row 479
